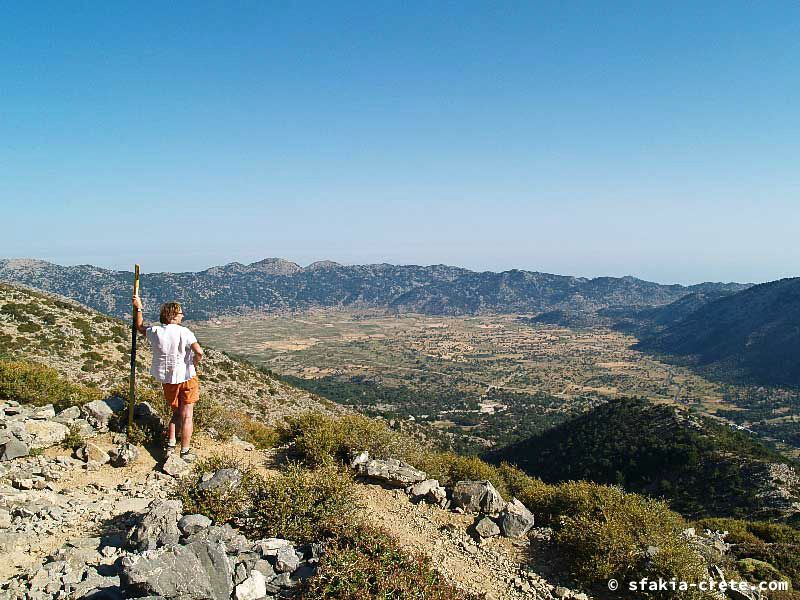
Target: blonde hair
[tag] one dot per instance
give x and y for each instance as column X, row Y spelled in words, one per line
column 169, row 311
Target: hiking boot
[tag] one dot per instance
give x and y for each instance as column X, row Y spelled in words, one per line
column 169, row 449
column 188, row 456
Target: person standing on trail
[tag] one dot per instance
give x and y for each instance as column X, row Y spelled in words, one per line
column 176, row 355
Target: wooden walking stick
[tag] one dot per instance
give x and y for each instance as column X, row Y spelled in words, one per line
column 134, row 333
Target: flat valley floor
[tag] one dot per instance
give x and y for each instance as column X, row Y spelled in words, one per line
column 497, row 378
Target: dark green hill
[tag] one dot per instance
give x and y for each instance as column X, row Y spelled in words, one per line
column 703, row 467
column 650, row 320
column 276, row 284
column 749, row 337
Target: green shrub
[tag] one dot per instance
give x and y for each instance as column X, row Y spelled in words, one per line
column 32, row 383
column 320, row 439
column 362, row 563
column 260, row 435
column 606, row 532
column 301, row 505
column 776, row 544
column 221, row 505
column 74, row 438
column 29, row 328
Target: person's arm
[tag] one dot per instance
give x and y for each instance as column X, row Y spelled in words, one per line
column 198, row 353
column 138, row 319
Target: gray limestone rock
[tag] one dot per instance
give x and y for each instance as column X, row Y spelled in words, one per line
column 270, row 546
column 252, row 588
column 486, row 528
column 429, row 490
column 223, row 480
column 99, row 412
column 92, row 452
column 265, row 568
column 198, row 571
column 43, row 412
column 239, row 443
column 43, row 434
column 234, row 542
column 175, row 466
column 13, row 449
column 477, row 496
column 392, row 471
column 68, row 415
column 158, row 527
column 286, row 560
column 516, row 520
column 123, row 455
column 190, row 524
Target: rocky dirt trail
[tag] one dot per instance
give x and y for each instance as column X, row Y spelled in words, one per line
column 74, row 512
column 493, row 566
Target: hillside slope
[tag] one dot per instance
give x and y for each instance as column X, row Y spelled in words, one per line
column 276, row 284
column 749, row 337
column 91, row 348
column 702, row 467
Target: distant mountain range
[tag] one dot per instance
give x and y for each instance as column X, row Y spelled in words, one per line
column 703, row 467
column 274, row 284
column 751, row 337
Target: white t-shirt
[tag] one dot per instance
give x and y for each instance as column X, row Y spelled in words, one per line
column 172, row 353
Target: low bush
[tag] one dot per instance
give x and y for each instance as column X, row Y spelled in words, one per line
column 760, row 541
column 224, row 505
column 605, row 533
column 260, row 435
column 32, row 383
column 321, row 439
column 301, row 505
column 362, row 563
column 74, row 438
column 449, row 468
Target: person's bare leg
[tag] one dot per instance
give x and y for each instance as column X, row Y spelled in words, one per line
column 171, row 430
column 187, row 425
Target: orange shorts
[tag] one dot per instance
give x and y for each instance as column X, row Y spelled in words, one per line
column 182, row 393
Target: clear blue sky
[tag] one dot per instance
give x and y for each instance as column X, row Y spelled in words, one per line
column 660, row 140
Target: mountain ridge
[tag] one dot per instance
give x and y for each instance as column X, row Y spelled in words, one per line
column 275, row 284
column 752, row 336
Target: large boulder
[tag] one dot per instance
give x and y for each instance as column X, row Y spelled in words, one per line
column 43, row 433
column 428, row 490
column 198, row 571
column 486, row 528
column 68, row 415
column 252, row 588
column 99, row 412
column 286, row 560
column 12, row 449
column 92, row 452
column 516, row 520
column 223, row 480
column 193, row 523
column 175, row 466
column 123, row 455
column 158, row 527
column 391, row 471
column 477, row 496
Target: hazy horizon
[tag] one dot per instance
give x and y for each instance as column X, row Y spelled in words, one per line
column 306, row 263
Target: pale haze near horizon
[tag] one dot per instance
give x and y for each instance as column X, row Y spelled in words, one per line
column 654, row 141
